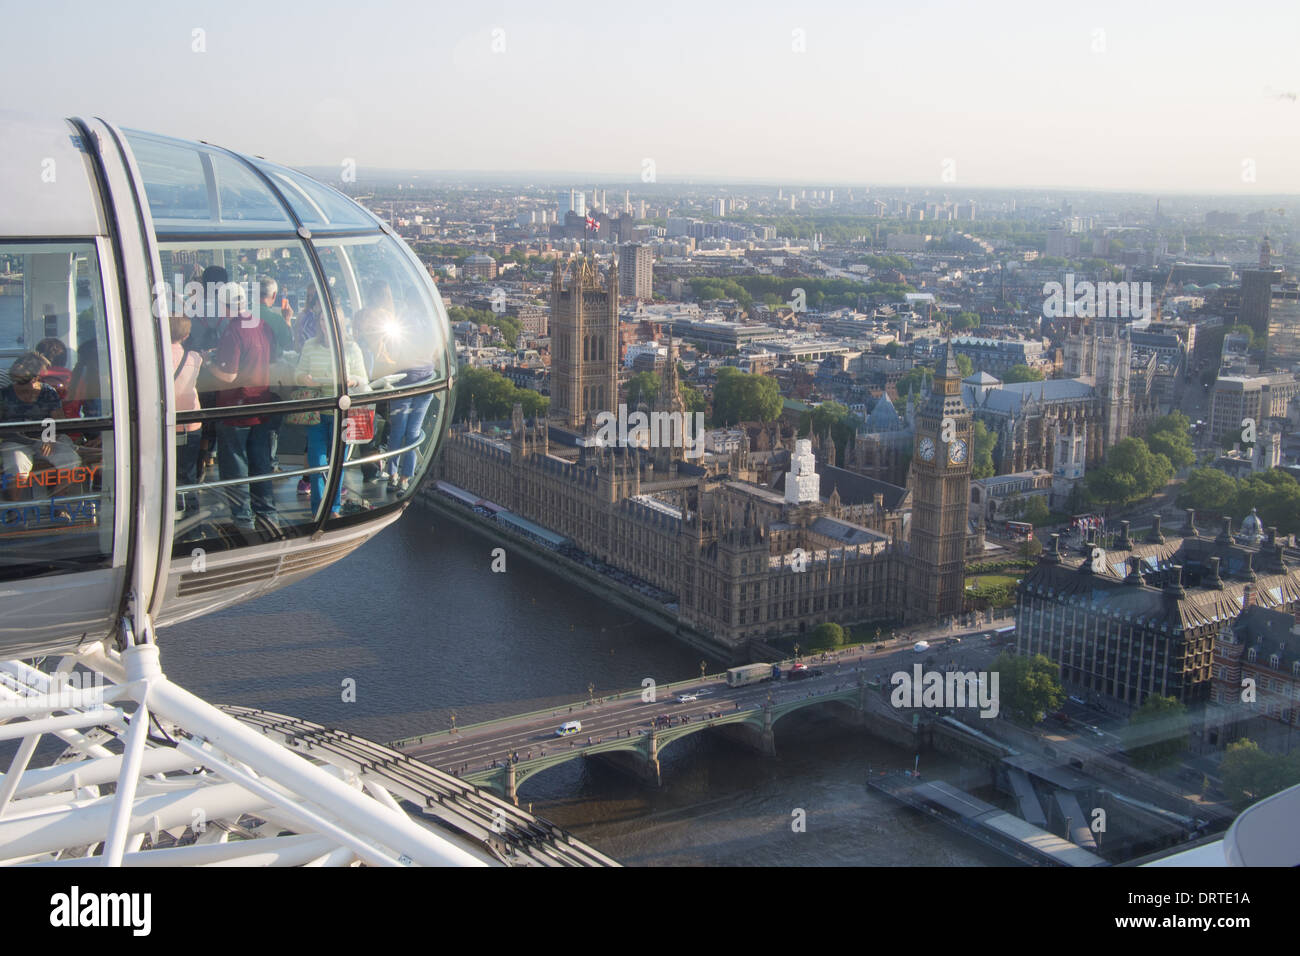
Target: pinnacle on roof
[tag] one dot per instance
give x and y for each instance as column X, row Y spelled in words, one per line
column 950, row 367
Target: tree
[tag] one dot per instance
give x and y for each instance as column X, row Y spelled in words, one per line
column 917, row 379
column 965, row 366
column 1029, row 548
column 1275, row 494
column 494, row 396
column 1029, row 687
column 1131, row 471
column 1036, row 511
column 642, row 385
column 1023, row 373
column 1250, row 774
column 833, row 419
column 744, row 397
column 826, row 415
column 984, row 442
column 965, row 320
column 1157, row 732
column 1171, row 436
column 826, row 635
column 508, row 324
column 1208, row 489
column 692, row 397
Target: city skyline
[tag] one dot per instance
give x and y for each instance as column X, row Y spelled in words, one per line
column 937, row 95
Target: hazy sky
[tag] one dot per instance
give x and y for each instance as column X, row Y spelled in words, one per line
column 1160, row 96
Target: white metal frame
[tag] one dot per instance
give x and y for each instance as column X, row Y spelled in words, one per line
column 152, row 775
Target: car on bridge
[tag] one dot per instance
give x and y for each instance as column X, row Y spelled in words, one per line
column 569, row 728
column 687, row 698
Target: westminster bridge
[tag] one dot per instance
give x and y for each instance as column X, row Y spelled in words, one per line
column 630, row 729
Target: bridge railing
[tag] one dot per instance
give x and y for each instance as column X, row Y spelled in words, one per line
column 575, row 709
column 562, row 711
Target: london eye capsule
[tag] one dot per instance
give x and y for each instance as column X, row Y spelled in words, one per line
column 217, row 375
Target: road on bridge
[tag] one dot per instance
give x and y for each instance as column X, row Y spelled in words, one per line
column 480, row 747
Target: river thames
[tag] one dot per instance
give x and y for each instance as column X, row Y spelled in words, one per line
column 424, row 627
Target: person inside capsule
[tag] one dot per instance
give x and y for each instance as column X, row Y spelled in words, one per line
column 406, row 416
column 185, row 376
column 315, row 374
column 242, row 360
column 376, row 329
column 28, row 399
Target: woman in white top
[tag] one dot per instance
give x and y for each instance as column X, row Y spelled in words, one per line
column 316, row 370
column 185, row 377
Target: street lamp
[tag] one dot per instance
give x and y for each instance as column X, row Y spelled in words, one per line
column 702, row 666
column 453, row 721
column 591, row 691
column 796, row 652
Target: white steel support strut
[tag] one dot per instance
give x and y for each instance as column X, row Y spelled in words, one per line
column 180, row 766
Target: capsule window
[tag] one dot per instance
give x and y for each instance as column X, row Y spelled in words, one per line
column 56, row 432
column 398, row 324
column 249, row 332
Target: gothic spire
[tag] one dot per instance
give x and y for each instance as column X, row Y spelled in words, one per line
column 950, row 367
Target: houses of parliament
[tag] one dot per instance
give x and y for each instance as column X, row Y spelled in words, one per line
column 764, row 541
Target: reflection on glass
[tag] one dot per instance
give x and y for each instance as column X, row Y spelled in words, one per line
column 54, row 464
column 251, row 310
column 318, row 206
column 399, row 325
column 181, row 179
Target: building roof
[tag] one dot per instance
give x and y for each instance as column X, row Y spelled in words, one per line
column 884, row 417
column 1198, row 605
column 854, row 489
column 845, row 532
column 1011, row 398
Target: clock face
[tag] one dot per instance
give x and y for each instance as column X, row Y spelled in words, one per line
column 957, row 452
column 927, row 449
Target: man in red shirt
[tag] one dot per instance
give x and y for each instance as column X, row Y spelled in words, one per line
column 242, row 359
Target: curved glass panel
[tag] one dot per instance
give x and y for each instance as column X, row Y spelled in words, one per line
column 193, row 188
column 388, row 443
column 317, row 205
column 397, row 315
column 254, row 317
column 56, row 440
column 248, row 329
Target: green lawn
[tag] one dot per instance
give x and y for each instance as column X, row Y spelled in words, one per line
column 991, row 580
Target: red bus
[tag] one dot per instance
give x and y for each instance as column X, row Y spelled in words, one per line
column 1020, row 531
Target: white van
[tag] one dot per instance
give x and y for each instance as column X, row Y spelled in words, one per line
column 568, row 728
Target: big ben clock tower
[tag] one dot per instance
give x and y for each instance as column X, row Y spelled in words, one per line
column 941, row 468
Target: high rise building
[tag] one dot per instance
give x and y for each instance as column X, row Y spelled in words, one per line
column 584, row 341
column 941, row 473
column 1257, row 292
column 635, row 272
column 571, row 201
